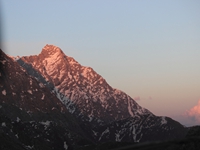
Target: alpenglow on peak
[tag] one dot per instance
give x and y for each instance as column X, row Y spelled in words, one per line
column 51, row 50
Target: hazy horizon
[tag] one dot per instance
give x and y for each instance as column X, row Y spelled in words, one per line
column 148, row 49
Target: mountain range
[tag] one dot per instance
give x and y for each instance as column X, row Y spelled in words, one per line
column 50, row 101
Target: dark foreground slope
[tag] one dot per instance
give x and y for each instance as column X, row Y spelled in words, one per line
column 190, row 142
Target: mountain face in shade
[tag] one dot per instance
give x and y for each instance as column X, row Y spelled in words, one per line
column 104, row 113
column 31, row 116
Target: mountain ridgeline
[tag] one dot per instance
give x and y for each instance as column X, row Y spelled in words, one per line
column 59, row 104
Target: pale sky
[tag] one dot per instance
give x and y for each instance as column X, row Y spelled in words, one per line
column 148, row 49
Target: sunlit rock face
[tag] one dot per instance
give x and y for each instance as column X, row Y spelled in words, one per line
column 90, row 93
column 107, row 114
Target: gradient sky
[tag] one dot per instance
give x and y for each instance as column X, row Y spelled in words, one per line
column 148, row 49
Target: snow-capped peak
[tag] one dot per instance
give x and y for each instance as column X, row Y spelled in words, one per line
column 51, row 50
column 108, row 114
column 50, row 47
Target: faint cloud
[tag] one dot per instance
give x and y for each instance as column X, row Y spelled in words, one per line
column 194, row 114
column 195, row 111
column 150, row 98
column 137, row 98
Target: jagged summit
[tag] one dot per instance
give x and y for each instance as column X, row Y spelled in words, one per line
column 51, row 51
column 51, row 48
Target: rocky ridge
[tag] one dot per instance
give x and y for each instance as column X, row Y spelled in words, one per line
column 109, row 113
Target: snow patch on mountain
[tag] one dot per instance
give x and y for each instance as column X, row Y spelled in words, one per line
column 30, row 91
column 106, row 131
column 46, row 124
column 43, row 95
column 119, row 136
column 3, row 124
column 16, row 58
column 66, row 101
column 163, row 121
column 29, row 147
column 18, row 119
column 4, row 92
column 129, row 108
column 3, row 62
column 65, row 146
